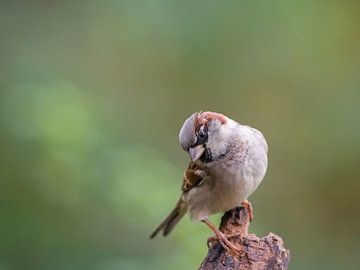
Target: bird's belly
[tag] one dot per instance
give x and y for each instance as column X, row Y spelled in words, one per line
column 229, row 193
column 218, row 196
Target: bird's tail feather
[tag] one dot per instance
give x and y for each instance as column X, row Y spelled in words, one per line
column 172, row 219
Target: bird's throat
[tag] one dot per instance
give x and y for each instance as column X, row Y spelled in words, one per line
column 206, row 157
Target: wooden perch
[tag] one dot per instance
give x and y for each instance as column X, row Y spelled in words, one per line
column 266, row 253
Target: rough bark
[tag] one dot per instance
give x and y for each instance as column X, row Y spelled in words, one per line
column 256, row 253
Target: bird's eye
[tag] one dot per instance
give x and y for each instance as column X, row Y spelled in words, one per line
column 202, row 135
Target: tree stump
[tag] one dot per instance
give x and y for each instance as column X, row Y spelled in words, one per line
column 256, row 253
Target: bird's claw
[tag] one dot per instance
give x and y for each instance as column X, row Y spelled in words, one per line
column 224, row 242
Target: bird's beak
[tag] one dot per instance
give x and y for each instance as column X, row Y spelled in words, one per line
column 196, row 152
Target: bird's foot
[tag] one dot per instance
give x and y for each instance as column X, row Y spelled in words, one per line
column 247, row 205
column 223, row 239
column 213, row 239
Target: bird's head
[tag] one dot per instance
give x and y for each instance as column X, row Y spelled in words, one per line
column 206, row 136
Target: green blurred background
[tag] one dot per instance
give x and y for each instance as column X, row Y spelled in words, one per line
column 93, row 94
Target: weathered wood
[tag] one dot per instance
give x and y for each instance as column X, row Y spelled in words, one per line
column 256, row 253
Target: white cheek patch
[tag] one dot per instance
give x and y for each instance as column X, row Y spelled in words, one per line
column 215, row 144
column 219, row 141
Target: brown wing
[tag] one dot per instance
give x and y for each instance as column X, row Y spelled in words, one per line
column 194, row 176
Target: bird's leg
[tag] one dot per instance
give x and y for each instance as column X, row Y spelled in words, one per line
column 219, row 236
column 246, row 204
column 212, row 239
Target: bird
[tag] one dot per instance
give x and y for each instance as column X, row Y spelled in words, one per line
column 228, row 162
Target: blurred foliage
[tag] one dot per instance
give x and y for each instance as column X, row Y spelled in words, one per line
column 92, row 96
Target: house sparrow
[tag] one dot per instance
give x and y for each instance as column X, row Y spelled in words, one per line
column 228, row 162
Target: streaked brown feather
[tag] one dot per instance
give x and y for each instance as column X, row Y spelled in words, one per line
column 193, row 176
